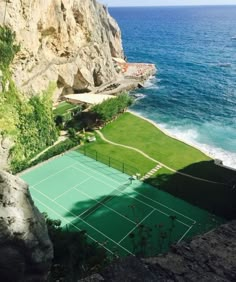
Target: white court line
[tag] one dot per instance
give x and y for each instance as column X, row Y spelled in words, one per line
column 94, row 171
column 76, row 216
column 74, row 225
column 70, row 189
column 115, row 189
column 136, row 226
column 106, row 207
column 194, row 221
column 97, row 172
column 190, row 227
column 154, row 209
column 52, row 175
column 98, row 180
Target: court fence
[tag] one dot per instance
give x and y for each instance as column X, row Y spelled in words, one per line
column 109, row 161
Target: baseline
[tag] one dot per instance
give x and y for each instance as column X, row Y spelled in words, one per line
column 74, row 226
column 77, row 217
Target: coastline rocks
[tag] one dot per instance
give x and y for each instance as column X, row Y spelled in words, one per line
column 70, row 42
column 26, row 251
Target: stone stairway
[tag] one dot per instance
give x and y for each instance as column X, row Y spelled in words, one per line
column 151, row 172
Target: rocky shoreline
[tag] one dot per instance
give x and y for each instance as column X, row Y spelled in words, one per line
column 133, row 76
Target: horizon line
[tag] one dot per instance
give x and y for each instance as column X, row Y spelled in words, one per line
column 192, row 5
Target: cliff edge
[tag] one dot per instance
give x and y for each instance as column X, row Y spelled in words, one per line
column 71, row 42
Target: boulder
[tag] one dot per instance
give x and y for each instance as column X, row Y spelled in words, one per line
column 26, row 250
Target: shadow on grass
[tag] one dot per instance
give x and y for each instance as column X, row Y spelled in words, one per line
column 219, row 199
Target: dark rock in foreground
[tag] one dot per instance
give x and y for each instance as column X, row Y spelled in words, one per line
column 207, row 258
column 25, row 249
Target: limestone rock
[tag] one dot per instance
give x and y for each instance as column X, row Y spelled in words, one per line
column 71, row 42
column 26, row 251
column 5, row 145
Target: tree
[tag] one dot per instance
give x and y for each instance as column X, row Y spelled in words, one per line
column 110, row 108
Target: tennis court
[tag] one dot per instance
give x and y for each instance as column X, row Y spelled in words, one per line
column 126, row 217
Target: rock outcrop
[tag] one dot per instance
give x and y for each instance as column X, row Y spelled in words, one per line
column 207, row 258
column 25, row 249
column 71, row 42
column 5, row 145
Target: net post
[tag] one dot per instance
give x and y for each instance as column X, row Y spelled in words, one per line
column 96, row 156
column 123, row 167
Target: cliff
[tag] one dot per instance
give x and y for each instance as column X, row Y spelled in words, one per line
column 207, row 258
column 26, row 251
column 71, row 42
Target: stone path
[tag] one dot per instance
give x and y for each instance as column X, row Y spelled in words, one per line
column 151, row 172
column 156, row 161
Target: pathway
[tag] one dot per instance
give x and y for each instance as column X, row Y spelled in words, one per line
column 156, row 161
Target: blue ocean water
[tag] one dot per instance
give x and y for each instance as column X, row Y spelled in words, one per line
column 193, row 95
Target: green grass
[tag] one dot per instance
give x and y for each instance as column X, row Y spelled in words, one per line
column 142, row 164
column 133, row 131
column 63, row 107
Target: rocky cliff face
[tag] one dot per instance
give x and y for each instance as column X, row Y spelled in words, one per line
column 25, row 249
column 71, row 42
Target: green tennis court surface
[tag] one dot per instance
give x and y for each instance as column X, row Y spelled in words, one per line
column 126, row 218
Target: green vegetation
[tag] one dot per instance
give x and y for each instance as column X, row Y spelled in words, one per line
column 133, row 131
column 110, row 108
column 129, row 157
column 8, row 48
column 29, row 123
column 35, row 127
column 67, row 116
column 138, row 133
column 63, row 108
column 74, row 256
column 57, row 149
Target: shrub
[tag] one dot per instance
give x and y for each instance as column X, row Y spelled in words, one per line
column 59, row 148
column 74, row 255
column 8, row 48
column 110, row 108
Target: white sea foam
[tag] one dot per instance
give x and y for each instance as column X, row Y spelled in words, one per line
column 151, row 83
column 139, row 96
column 190, row 136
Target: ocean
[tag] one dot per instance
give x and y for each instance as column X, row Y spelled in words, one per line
column 193, row 94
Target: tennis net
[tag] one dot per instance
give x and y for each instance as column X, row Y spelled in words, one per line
column 107, row 198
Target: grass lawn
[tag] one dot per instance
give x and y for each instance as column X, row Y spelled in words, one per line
column 142, row 164
column 63, row 107
column 136, row 132
column 133, row 131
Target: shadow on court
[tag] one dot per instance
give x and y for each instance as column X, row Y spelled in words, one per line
column 219, row 199
column 143, row 221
